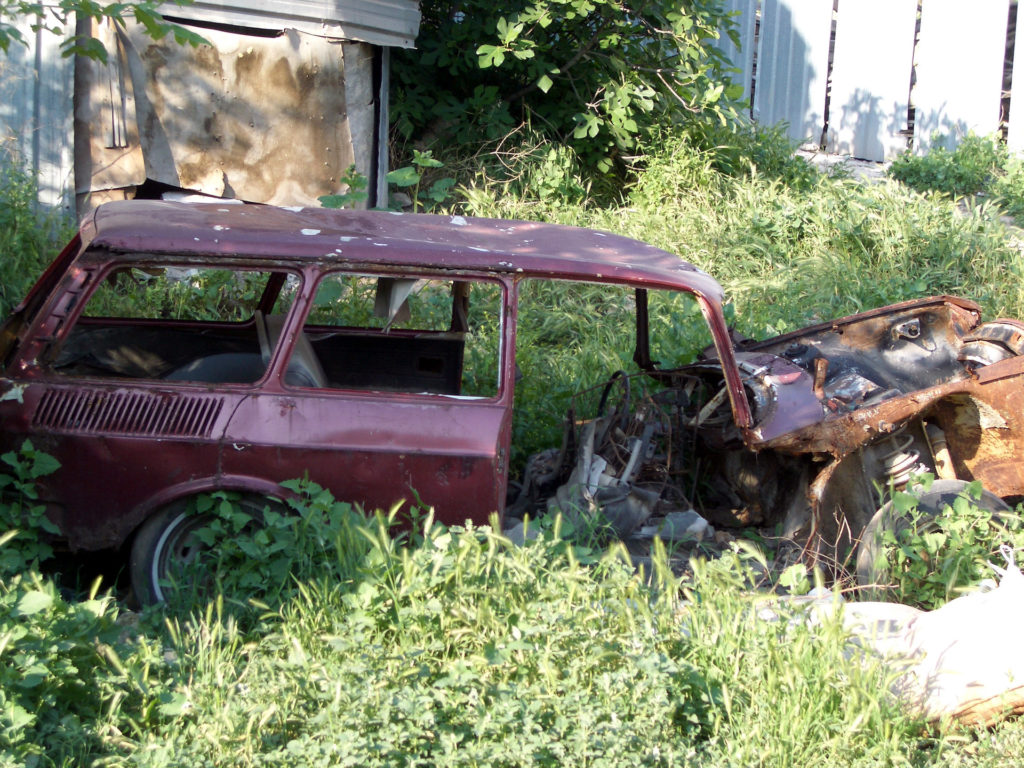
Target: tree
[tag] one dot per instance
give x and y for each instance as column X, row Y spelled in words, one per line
column 55, row 16
column 601, row 75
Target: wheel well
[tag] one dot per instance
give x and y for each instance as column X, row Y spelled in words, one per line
column 245, row 485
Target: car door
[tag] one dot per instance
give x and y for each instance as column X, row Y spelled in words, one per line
column 387, row 389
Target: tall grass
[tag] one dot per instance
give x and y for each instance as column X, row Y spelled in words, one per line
column 29, row 236
column 454, row 647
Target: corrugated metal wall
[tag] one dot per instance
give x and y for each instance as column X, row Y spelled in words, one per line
column 872, row 65
column 794, row 48
column 898, row 69
column 36, row 93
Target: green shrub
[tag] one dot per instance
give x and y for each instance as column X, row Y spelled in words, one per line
column 967, row 170
column 593, row 75
column 71, row 685
column 1008, row 187
column 23, row 522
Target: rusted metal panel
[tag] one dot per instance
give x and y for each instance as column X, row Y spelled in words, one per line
column 274, row 120
column 959, row 70
column 36, row 93
column 871, row 93
column 522, row 248
column 380, row 22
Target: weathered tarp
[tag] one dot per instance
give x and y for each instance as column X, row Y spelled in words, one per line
column 263, row 119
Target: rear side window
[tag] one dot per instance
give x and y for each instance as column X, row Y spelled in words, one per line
column 422, row 335
column 174, row 324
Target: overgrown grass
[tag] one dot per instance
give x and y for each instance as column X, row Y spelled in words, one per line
column 440, row 647
column 453, row 647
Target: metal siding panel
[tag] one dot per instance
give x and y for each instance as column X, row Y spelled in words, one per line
column 742, row 58
column 380, row 22
column 17, row 93
column 871, row 68
column 36, row 90
column 959, row 69
column 792, row 66
column 1015, row 129
column 55, row 131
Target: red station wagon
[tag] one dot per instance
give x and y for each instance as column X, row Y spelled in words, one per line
column 174, row 349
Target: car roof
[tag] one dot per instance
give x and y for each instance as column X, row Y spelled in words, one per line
column 401, row 240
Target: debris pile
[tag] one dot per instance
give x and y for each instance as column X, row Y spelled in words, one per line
column 959, row 662
column 624, row 470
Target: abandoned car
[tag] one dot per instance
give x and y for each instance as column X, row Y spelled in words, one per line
column 174, row 349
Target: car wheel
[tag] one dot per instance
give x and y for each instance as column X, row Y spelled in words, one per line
column 167, row 554
column 872, row 566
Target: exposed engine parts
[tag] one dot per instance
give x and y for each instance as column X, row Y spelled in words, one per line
column 835, row 434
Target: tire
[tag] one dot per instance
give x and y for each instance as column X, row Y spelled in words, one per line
column 872, row 568
column 166, row 555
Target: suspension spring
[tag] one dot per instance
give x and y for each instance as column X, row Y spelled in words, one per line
column 899, row 464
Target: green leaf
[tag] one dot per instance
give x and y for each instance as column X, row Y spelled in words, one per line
column 440, row 190
column 43, row 464
column 490, row 56
column 83, row 45
column 508, row 33
column 33, row 602
column 425, row 159
column 185, row 36
column 152, row 21
column 545, row 83
column 172, row 704
column 404, row 177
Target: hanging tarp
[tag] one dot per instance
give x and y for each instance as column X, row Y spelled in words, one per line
column 274, row 120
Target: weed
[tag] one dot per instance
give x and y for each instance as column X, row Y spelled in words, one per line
column 23, row 520
column 355, row 191
column 932, row 555
column 412, row 176
column 966, row 170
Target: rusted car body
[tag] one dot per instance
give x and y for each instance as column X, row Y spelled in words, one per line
column 273, row 375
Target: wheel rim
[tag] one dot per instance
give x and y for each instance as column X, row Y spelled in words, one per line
column 872, row 564
column 176, row 552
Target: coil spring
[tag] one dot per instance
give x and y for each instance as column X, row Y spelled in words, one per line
column 899, row 464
